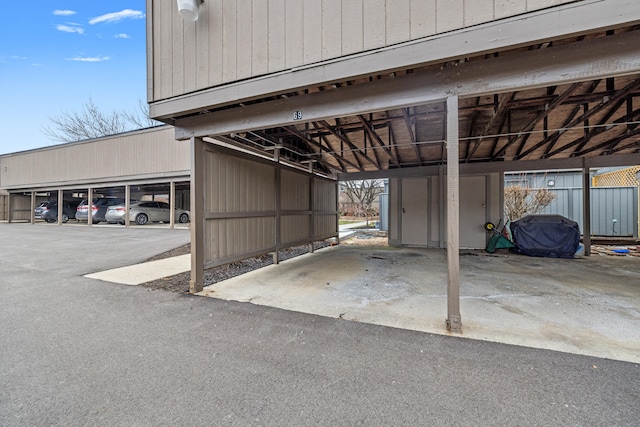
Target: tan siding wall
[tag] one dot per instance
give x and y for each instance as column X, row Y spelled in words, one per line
column 295, row 190
column 149, row 152
column 238, row 185
column 241, row 207
column 4, row 213
column 324, row 200
column 294, row 228
column 239, row 39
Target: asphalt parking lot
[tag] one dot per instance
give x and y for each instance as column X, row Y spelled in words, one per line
column 78, row 351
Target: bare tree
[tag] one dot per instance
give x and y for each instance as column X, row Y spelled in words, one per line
column 521, row 200
column 91, row 122
column 363, row 194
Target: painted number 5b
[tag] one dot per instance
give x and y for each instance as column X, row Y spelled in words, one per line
column 297, row 115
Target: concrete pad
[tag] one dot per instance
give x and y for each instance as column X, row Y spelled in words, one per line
column 145, row 272
column 587, row 306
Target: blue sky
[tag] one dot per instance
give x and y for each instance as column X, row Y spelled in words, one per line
column 57, row 54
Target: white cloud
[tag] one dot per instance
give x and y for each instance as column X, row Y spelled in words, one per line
column 117, row 16
column 64, row 12
column 19, row 58
column 70, row 29
column 89, row 58
column 122, row 36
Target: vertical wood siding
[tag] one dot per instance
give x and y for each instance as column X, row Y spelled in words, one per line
column 242, row 209
column 140, row 153
column 239, row 39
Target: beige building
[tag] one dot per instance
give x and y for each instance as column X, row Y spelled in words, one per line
column 144, row 164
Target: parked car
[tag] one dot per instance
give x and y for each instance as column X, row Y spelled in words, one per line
column 38, row 210
column 50, row 212
column 144, row 212
column 98, row 209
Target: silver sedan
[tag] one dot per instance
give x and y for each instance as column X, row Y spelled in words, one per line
column 144, row 212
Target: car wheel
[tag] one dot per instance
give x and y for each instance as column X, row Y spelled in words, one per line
column 141, row 219
column 50, row 220
column 65, row 218
column 184, row 218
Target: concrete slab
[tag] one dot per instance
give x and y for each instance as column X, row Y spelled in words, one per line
column 587, row 306
column 145, row 272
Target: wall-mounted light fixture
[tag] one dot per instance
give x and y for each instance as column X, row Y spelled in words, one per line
column 551, row 183
column 188, row 9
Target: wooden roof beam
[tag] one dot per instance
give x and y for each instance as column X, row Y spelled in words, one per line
column 341, row 161
column 621, row 94
column 375, row 137
column 532, row 124
column 340, row 136
column 499, row 115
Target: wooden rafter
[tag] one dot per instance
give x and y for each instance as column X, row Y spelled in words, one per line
column 340, row 159
column 294, row 149
column 532, row 124
column 597, row 131
column 498, row 116
column 608, row 102
column 609, row 146
column 356, row 151
column 407, row 121
column 376, row 138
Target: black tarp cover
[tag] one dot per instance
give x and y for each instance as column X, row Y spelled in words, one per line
column 552, row 236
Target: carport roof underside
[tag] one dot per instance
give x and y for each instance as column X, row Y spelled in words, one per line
column 577, row 117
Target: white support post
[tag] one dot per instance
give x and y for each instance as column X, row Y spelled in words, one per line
column 454, row 322
column 198, row 173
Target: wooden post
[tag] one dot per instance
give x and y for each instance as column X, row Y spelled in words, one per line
column 89, row 204
column 454, row 322
column 277, row 186
column 127, row 204
column 311, row 207
column 60, row 206
column 32, row 216
column 198, row 173
column 586, row 207
column 172, row 204
column 9, row 208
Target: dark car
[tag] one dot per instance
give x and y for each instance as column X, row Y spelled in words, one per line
column 50, row 211
column 98, row 209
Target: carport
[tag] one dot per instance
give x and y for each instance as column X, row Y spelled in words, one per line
column 148, row 164
column 504, row 114
column 551, row 89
